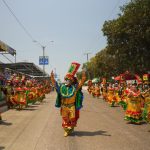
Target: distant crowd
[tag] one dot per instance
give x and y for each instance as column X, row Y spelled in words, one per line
column 133, row 98
column 19, row 91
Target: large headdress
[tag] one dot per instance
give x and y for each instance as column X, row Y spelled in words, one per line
column 72, row 71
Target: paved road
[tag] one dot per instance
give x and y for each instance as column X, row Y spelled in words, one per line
column 99, row 128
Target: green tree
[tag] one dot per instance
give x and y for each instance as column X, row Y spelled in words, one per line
column 128, row 37
column 128, row 43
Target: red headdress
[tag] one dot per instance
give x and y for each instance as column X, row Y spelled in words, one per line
column 72, row 71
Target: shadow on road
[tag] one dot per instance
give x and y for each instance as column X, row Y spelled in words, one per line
column 2, row 147
column 87, row 133
column 114, row 106
column 3, row 122
column 26, row 109
column 140, row 123
column 32, row 106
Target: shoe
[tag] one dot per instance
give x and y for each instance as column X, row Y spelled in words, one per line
column 65, row 134
column 71, row 129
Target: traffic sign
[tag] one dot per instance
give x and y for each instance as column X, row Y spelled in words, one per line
column 43, row 60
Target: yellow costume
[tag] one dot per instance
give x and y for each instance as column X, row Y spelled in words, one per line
column 134, row 112
column 69, row 98
column 97, row 91
column 116, row 97
column 146, row 112
column 110, row 96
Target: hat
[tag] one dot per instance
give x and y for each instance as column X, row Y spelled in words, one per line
column 72, row 70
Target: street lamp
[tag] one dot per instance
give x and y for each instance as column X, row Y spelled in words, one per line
column 43, row 48
column 87, row 56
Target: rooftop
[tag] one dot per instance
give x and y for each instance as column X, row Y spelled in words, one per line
column 27, row 68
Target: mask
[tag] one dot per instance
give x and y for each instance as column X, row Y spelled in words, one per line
column 67, row 82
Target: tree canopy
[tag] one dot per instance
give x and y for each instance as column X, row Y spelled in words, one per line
column 128, row 43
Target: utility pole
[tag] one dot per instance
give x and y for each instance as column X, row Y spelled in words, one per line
column 43, row 47
column 87, row 55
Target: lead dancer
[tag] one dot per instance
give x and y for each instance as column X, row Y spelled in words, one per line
column 69, row 98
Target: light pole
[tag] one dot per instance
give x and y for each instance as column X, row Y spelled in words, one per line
column 43, row 48
column 87, row 56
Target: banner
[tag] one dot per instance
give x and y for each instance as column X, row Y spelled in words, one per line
column 7, row 49
column 3, row 47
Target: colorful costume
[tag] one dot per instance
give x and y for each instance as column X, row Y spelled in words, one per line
column 3, row 103
column 134, row 112
column 93, row 90
column 110, row 95
column 9, row 92
column 104, row 92
column 69, row 98
column 20, row 97
column 146, row 111
column 124, row 97
column 116, row 97
column 97, row 91
column 89, row 86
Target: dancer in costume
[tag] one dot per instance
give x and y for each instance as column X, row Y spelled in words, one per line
column 93, row 89
column 104, row 89
column 1, row 99
column 146, row 110
column 104, row 92
column 3, row 103
column 97, row 90
column 134, row 106
column 69, row 98
column 124, row 95
column 116, row 97
column 9, row 92
column 110, row 95
column 89, row 86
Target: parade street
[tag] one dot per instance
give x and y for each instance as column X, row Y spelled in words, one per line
column 100, row 127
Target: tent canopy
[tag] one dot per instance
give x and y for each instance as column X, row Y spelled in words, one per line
column 25, row 67
column 128, row 76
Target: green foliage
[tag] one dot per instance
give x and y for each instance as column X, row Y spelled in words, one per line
column 128, row 43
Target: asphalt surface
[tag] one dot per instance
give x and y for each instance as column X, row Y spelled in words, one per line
column 100, row 127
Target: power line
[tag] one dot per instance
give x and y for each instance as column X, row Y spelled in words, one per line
column 7, row 58
column 18, row 21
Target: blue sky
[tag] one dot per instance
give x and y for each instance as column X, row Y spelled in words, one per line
column 74, row 26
